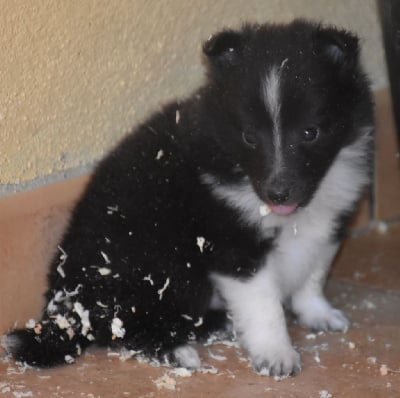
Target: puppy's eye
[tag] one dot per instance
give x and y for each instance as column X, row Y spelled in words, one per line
column 310, row 134
column 249, row 139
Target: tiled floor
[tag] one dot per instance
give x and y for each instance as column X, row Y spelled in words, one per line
column 365, row 283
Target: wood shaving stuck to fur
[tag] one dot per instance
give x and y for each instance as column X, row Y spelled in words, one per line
column 199, row 322
column 177, row 117
column 63, row 258
column 200, row 241
column 62, row 322
column 264, row 210
column 116, row 328
column 187, row 317
column 165, row 382
column 148, row 278
column 68, row 359
column 162, row 290
column 84, row 315
column 160, row 154
column 103, row 271
column 100, row 304
column 106, row 258
column 112, row 209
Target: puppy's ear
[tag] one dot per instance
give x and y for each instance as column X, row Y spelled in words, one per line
column 339, row 47
column 224, row 48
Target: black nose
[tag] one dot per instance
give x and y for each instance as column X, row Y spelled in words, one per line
column 278, row 195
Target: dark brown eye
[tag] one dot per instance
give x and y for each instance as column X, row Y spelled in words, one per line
column 249, row 139
column 310, row 134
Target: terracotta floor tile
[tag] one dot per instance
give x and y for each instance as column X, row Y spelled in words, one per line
column 372, row 259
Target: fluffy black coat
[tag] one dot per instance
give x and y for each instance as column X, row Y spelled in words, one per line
column 134, row 265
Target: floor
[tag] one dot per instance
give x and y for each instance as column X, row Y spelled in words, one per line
column 365, row 283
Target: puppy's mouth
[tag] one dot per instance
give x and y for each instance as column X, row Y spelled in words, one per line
column 282, row 210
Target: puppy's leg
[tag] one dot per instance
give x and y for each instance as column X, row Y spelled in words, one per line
column 309, row 303
column 259, row 321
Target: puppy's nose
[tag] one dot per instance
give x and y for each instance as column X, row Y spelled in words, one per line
column 278, row 195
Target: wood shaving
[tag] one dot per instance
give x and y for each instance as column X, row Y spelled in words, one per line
column 116, row 328
column 181, row 372
column 100, row 304
column 84, row 315
column 200, row 241
column 209, row 369
column 162, row 290
column 311, row 336
column 199, row 322
column 148, row 278
column 106, row 258
column 63, row 258
column 325, row 394
column 62, row 322
column 68, row 359
column 264, row 210
column 383, row 370
column 165, row 382
column 103, row 271
column 177, row 116
column 216, row 356
column 160, row 154
column 30, row 324
column 371, row 360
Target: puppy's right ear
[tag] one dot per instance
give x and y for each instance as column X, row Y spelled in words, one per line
column 224, row 48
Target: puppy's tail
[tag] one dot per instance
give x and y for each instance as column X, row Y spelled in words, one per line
column 47, row 343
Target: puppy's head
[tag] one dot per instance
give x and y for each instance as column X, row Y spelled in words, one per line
column 286, row 99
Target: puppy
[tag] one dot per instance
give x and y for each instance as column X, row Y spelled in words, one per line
column 232, row 200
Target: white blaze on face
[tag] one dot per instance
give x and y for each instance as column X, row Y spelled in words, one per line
column 271, row 92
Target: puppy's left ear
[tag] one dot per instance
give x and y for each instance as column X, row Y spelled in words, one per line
column 339, row 47
column 224, row 48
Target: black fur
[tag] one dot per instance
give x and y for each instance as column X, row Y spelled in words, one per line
column 146, row 206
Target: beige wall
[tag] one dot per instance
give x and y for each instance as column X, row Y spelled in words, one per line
column 75, row 75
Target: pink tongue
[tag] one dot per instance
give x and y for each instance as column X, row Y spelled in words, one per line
column 283, row 210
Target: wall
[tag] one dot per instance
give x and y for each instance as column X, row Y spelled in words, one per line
column 76, row 75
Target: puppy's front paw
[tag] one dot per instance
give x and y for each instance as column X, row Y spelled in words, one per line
column 330, row 320
column 284, row 362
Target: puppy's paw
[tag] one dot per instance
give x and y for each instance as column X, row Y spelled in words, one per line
column 330, row 320
column 285, row 362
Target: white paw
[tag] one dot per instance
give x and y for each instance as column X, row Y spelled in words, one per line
column 330, row 320
column 187, row 357
column 284, row 362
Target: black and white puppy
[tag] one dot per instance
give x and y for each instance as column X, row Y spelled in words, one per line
column 234, row 199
